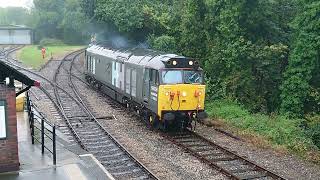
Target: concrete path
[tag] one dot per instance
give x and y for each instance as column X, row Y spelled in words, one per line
column 35, row 166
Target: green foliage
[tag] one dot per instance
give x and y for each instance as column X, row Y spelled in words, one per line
column 243, row 62
column 14, row 16
column 313, row 128
column 60, row 19
column 163, row 43
column 47, row 17
column 74, row 23
column 245, row 46
column 51, row 42
column 127, row 16
column 301, row 86
column 277, row 129
column 193, row 39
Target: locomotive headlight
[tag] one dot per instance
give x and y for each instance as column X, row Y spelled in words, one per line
column 174, row 63
column 190, row 63
column 167, row 93
column 184, row 94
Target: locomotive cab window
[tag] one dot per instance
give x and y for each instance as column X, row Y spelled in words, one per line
column 177, row 76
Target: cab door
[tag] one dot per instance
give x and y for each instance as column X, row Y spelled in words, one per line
column 146, row 86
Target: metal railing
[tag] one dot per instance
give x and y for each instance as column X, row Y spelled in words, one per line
column 39, row 125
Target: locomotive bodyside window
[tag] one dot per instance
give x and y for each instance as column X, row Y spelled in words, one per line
column 133, row 83
column 87, row 59
column 128, row 81
column 94, row 66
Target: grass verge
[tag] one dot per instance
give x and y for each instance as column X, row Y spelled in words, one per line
column 275, row 131
column 31, row 55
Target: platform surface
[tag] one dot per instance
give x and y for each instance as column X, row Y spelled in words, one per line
column 35, row 166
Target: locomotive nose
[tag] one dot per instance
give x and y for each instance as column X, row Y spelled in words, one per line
column 181, row 97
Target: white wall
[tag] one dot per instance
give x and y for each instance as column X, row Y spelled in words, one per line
column 15, row 36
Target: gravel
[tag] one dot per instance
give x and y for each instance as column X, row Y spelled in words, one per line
column 157, row 154
column 166, row 160
column 286, row 165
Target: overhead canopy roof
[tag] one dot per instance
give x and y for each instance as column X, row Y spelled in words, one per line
column 7, row 70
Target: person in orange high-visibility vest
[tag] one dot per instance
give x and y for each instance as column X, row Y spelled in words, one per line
column 43, row 51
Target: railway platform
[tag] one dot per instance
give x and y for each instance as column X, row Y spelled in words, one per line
column 34, row 165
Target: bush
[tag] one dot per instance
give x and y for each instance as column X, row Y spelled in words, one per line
column 279, row 130
column 163, row 43
column 51, row 42
column 313, row 129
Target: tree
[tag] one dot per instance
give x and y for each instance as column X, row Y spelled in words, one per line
column 14, row 15
column 74, row 23
column 48, row 15
column 193, row 36
column 245, row 61
column 300, row 90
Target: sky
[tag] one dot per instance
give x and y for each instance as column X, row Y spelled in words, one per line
column 23, row 3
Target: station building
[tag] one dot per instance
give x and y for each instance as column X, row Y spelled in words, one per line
column 13, row 34
column 9, row 158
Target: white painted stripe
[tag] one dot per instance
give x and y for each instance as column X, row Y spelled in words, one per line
column 73, row 172
column 154, row 88
column 154, row 94
column 100, row 165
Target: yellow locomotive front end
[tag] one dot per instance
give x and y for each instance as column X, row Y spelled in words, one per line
column 181, row 95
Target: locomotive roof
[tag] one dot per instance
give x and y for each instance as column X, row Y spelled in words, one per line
column 138, row 56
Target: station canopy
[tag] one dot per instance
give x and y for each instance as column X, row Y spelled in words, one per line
column 8, row 71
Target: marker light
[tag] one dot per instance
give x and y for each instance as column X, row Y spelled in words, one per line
column 184, row 94
column 167, row 93
column 190, row 63
column 197, row 93
column 172, row 95
column 174, row 63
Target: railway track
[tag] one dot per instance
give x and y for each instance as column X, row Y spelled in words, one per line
column 220, row 158
column 6, row 50
column 227, row 162
column 89, row 132
column 95, row 139
column 84, row 126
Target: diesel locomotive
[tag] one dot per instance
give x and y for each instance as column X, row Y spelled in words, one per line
column 167, row 90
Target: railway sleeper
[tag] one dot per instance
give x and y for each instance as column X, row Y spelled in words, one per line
column 116, row 162
column 257, row 175
column 112, row 155
column 130, row 165
column 108, row 151
column 241, row 170
column 111, row 158
column 99, row 147
column 223, row 158
column 91, row 134
column 91, row 140
column 130, row 174
column 97, row 143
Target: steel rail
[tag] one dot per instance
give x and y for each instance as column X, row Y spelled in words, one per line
column 59, row 102
column 196, row 138
column 56, row 104
column 76, row 92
